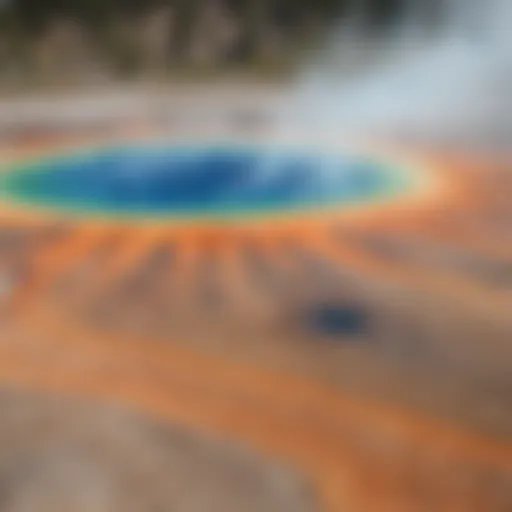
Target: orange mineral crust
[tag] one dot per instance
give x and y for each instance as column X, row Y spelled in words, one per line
column 403, row 406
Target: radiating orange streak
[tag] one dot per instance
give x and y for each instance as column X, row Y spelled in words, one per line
column 445, row 231
column 271, row 249
column 235, row 276
column 453, row 237
column 130, row 253
column 444, row 220
column 165, row 285
column 472, row 295
column 187, row 257
column 51, row 262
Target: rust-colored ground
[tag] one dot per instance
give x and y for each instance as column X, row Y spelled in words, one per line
column 415, row 414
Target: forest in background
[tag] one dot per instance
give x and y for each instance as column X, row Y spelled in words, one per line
column 84, row 39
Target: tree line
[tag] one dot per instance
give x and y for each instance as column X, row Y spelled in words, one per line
column 293, row 21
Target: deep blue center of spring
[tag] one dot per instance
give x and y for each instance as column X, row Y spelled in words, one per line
column 176, row 181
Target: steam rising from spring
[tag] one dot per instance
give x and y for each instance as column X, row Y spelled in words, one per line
column 440, row 76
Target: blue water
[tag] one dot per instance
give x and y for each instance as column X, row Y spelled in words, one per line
column 176, row 181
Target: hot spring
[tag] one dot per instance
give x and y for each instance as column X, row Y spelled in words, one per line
column 200, row 181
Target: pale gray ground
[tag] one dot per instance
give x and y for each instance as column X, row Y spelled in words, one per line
column 59, row 454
